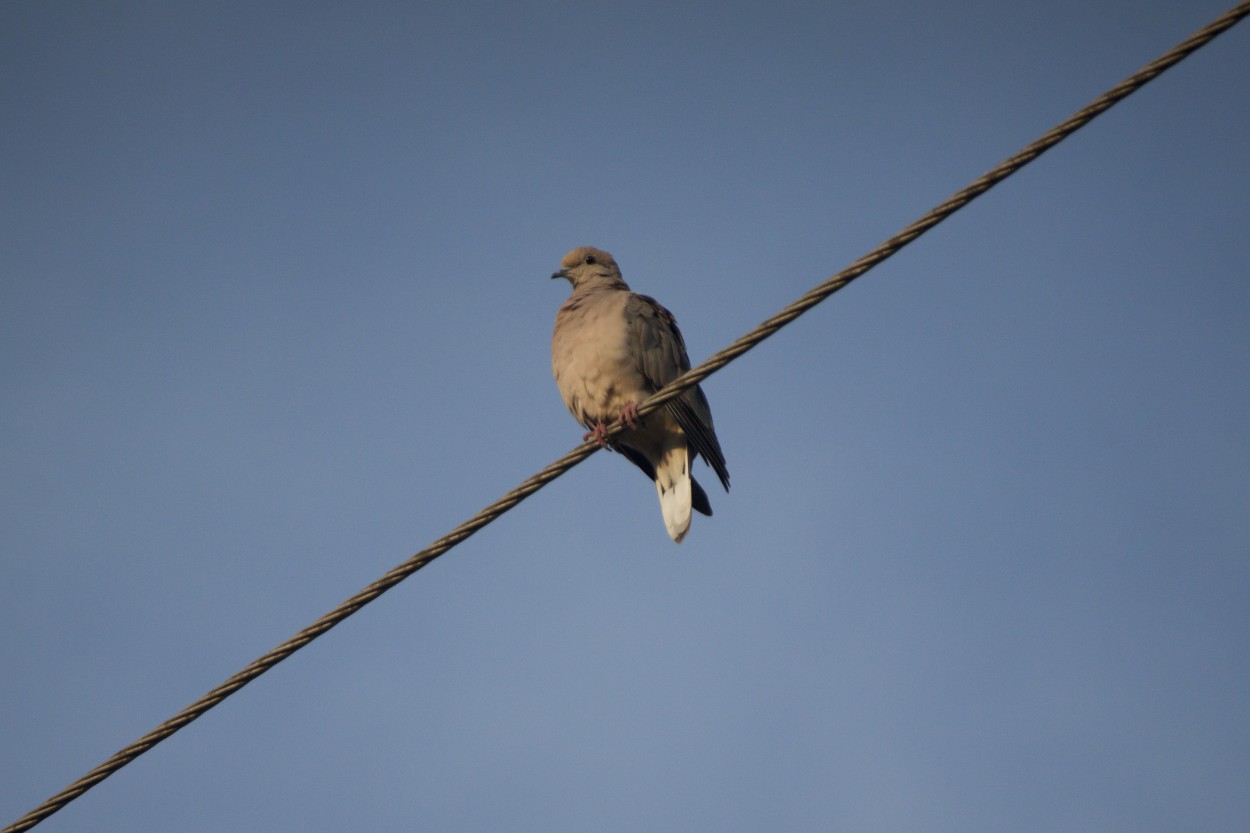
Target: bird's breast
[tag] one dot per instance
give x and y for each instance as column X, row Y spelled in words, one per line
column 590, row 358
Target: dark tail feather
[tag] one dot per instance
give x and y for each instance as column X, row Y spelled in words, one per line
column 698, row 499
column 702, row 437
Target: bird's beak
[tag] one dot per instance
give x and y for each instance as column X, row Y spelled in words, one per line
column 563, row 273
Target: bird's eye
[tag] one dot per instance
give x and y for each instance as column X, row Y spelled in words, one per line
column 590, row 259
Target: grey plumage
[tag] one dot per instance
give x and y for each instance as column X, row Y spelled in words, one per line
column 610, row 350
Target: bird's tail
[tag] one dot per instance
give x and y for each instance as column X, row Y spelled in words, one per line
column 673, row 483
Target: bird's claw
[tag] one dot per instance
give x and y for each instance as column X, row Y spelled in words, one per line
column 629, row 416
column 599, row 432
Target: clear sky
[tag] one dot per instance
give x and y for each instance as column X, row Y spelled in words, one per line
column 275, row 314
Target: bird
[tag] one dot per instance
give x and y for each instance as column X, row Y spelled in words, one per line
column 610, row 350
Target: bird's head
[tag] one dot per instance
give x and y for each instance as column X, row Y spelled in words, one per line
column 587, row 265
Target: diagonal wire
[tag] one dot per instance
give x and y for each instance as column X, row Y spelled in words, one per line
column 979, row 186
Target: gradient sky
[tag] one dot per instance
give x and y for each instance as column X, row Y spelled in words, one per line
column 275, row 314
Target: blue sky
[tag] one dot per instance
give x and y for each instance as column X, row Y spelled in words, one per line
column 275, row 314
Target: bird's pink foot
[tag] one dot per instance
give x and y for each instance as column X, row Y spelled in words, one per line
column 629, row 416
column 600, row 433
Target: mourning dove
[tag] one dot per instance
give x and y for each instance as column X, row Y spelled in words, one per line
column 612, row 349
